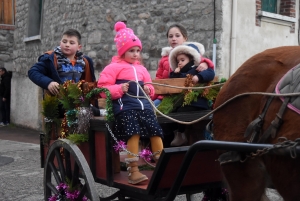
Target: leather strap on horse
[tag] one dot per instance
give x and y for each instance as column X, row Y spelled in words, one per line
column 255, row 126
column 276, row 123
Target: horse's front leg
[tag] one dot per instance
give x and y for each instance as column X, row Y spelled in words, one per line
column 246, row 181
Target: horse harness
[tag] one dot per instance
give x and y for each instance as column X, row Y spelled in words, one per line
column 289, row 83
column 254, row 128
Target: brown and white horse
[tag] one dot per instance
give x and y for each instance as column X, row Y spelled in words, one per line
column 247, row 181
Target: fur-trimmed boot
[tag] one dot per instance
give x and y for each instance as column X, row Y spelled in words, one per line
column 134, row 175
column 179, row 139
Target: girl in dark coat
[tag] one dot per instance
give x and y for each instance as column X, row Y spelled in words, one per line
column 184, row 59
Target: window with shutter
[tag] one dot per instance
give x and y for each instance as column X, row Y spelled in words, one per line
column 7, row 12
column 34, row 17
column 269, row 6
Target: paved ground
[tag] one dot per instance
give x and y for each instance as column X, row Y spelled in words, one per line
column 19, row 134
column 20, row 146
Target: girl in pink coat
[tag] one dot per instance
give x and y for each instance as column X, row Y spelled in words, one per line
column 134, row 116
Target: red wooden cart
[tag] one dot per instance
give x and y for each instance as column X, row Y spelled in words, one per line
column 180, row 170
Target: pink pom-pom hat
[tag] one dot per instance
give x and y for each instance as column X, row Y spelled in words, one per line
column 125, row 38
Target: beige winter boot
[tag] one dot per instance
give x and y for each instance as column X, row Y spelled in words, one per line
column 179, row 139
column 134, row 175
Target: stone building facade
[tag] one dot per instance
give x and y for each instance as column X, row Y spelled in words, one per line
column 240, row 29
column 6, row 46
column 95, row 20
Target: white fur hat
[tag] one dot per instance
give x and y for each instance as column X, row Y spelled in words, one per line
column 192, row 48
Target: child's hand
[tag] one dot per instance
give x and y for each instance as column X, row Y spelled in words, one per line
column 195, row 79
column 203, row 66
column 125, row 87
column 147, row 90
column 177, row 70
column 53, row 87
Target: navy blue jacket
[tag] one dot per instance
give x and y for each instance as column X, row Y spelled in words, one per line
column 44, row 71
column 204, row 76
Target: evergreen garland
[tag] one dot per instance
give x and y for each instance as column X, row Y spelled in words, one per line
column 71, row 95
column 187, row 96
column 50, row 112
column 72, row 98
column 96, row 92
column 78, row 138
column 50, row 107
column 170, row 103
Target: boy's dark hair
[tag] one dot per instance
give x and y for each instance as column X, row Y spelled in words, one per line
column 73, row 32
column 181, row 29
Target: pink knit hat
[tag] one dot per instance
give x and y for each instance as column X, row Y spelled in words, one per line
column 125, row 38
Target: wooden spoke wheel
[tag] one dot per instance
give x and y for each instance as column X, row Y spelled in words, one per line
column 65, row 164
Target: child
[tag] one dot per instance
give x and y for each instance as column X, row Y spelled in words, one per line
column 134, row 117
column 66, row 62
column 184, row 60
column 176, row 35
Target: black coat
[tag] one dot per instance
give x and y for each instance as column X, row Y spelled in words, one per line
column 203, row 76
column 5, row 85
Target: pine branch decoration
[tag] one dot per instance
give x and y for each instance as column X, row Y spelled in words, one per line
column 50, row 107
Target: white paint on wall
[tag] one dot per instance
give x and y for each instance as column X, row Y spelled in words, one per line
column 251, row 39
column 24, row 108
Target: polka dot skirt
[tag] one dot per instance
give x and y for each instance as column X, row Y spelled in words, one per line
column 142, row 122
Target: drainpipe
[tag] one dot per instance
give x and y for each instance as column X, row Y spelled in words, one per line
column 233, row 37
column 215, row 40
column 215, row 53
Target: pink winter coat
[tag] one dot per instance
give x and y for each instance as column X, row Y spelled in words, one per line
column 119, row 72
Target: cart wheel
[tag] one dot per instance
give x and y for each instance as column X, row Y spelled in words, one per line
column 66, row 164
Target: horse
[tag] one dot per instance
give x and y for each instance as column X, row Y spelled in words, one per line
column 248, row 180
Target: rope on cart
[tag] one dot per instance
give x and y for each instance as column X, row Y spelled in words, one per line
column 211, row 112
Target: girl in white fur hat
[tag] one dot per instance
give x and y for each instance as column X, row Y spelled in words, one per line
column 184, row 59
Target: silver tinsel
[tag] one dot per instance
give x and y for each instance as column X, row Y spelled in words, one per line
column 84, row 115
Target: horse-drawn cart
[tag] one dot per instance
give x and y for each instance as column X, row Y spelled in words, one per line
column 180, row 170
column 95, row 160
column 192, row 169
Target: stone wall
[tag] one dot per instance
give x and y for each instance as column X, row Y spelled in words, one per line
column 95, row 20
column 6, row 46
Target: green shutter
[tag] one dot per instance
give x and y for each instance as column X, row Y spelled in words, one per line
column 269, row 6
